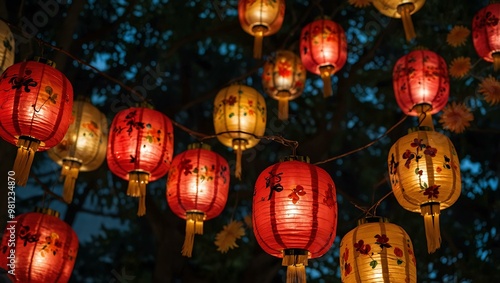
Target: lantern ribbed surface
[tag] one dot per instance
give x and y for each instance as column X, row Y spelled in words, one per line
column 421, row 77
column 486, row 33
column 294, row 207
column 7, row 48
column 377, row 252
column 283, row 79
column 45, row 249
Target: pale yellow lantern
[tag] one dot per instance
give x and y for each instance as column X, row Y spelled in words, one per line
column 283, row 78
column 83, row 148
column 425, row 176
column 239, row 119
column 377, row 252
column 7, row 47
column 400, row 9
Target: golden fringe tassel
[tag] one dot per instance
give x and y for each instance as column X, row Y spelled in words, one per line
column 296, row 262
column 238, row 145
column 283, row 109
column 296, row 274
column 24, row 159
column 405, row 11
column 496, row 61
column 69, row 172
column 257, row 43
column 194, row 225
column 430, row 212
column 137, row 188
column 326, row 73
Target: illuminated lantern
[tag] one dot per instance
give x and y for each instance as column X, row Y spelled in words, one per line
column 140, row 148
column 294, row 213
column 197, row 188
column 400, row 9
column 323, row 50
column 45, row 248
column 377, row 252
column 420, row 78
column 239, row 119
column 486, row 34
column 35, row 113
column 283, row 79
column 83, row 148
column 425, row 175
column 260, row 18
column 7, row 47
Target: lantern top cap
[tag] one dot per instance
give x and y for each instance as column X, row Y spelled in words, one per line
column 198, row 145
column 45, row 61
column 323, row 17
column 47, row 211
column 296, row 158
column 373, row 219
column 421, row 128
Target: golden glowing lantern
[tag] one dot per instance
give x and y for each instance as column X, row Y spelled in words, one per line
column 261, row 18
column 239, row 119
column 83, row 148
column 283, row 79
column 7, row 47
column 425, row 175
column 377, row 252
column 400, row 9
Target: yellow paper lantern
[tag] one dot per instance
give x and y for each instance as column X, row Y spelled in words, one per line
column 7, row 47
column 283, row 79
column 400, row 9
column 377, row 252
column 239, row 119
column 425, row 176
column 83, row 148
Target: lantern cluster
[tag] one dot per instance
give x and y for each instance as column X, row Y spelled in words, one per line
column 400, row 9
column 486, row 34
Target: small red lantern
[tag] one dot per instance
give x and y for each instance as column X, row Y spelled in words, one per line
column 38, row 247
column 261, row 18
column 323, row 50
column 140, row 148
column 36, row 103
column 486, row 34
column 197, row 188
column 420, row 78
column 294, row 214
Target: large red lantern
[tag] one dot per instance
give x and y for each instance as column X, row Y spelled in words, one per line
column 197, row 188
column 38, row 247
column 261, row 18
column 421, row 82
column 140, row 148
column 36, row 102
column 486, row 34
column 294, row 214
column 323, row 50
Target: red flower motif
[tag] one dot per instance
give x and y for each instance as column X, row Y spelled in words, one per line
column 432, row 191
column 230, row 101
column 416, row 142
column 296, row 193
column 398, row 252
column 186, row 166
column 362, row 248
column 382, row 241
column 284, row 69
column 250, row 103
column 345, row 255
column 438, row 169
column 408, row 155
column 347, row 268
column 328, row 199
column 431, row 151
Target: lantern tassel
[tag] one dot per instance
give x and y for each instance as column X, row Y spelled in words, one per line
column 430, row 212
column 69, row 173
column 137, row 188
column 296, row 274
column 405, row 11
column 496, row 61
column 194, row 225
column 283, row 109
column 326, row 72
column 257, row 43
column 26, row 148
column 296, row 262
column 237, row 170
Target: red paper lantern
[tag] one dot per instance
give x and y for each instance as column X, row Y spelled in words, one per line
column 323, row 50
column 486, row 34
column 140, row 148
column 261, row 18
column 38, row 247
column 421, row 78
column 197, row 188
column 36, row 103
column 294, row 213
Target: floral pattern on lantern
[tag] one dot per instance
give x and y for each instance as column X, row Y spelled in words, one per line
column 421, row 77
column 35, row 113
column 486, row 34
column 140, row 149
column 425, row 176
column 400, row 9
column 283, row 79
column 261, row 18
column 323, row 50
column 239, row 118
column 7, row 47
column 83, row 148
column 197, row 189
column 294, row 213
column 45, row 248
column 377, row 251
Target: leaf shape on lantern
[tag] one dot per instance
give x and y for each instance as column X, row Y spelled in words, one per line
column 373, row 264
